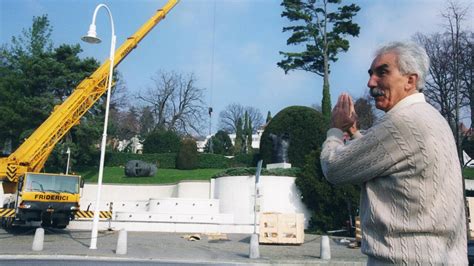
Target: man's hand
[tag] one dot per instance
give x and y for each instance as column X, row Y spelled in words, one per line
column 344, row 116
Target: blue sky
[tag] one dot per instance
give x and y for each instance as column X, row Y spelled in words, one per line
column 247, row 38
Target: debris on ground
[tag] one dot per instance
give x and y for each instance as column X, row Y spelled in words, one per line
column 344, row 241
column 217, row 236
column 354, row 244
column 192, row 237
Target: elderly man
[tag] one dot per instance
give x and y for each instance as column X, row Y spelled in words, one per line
column 412, row 209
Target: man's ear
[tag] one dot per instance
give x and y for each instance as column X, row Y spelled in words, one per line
column 412, row 80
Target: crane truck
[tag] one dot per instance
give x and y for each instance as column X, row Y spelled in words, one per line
column 53, row 199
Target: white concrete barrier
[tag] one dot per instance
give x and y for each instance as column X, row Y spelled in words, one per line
column 224, row 201
column 193, row 189
column 235, row 195
column 184, row 205
column 276, row 194
column 175, row 218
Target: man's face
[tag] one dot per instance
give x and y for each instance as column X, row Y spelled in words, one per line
column 385, row 77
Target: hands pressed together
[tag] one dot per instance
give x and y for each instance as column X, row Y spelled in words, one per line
column 343, row 115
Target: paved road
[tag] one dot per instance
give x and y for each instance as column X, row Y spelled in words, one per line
column 168, row 249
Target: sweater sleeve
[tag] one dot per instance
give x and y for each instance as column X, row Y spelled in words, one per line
column 376, row 153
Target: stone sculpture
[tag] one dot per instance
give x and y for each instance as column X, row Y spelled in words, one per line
column 137, row 168
column 280, row 145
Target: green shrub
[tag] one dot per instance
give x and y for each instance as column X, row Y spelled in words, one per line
column 161, row 160
column 245, row 160
column 161, row 141
column 221, row 144
column 209, row 160
column 330, row 205
column 187, row 158
column 306, row 128
column 249, row 171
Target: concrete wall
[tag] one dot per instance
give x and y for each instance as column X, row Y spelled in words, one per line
column 234, row 196
column 276, row 194
column 124, row 193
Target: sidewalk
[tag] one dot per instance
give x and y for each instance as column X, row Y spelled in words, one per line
column 231, row 248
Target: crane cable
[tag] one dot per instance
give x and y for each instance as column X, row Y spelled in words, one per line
column 212, row 77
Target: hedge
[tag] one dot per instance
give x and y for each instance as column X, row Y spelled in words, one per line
column 187, row 155
column 209, row 160
column 168, row 160
column 162, row 160
column 249, row 171
column 306, row 128
column 245, row 160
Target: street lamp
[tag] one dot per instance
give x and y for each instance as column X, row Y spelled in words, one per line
column 68, row 157
column 91, row 37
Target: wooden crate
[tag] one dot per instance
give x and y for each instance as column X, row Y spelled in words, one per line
column 281, row 228
column 470, row 215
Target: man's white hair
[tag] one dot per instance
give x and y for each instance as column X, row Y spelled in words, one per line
column 411, row 58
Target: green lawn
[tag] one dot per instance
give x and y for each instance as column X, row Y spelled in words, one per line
column 166, row 176
column 163, row 176
column 468, row 173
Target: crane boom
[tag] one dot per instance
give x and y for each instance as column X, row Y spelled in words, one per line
column 32, row 154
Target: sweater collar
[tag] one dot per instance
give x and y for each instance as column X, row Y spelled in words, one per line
column 409, row 100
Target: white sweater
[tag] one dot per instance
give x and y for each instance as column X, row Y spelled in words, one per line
column 412, row 209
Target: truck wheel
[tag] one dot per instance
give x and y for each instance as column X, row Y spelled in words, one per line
column 7, row 222
column 60, row 221
column 45, row 220
column 60, row 224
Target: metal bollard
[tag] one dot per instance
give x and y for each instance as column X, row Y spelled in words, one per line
column 38, row 240
column 254, row 251
column 121, row 243
column 325, row 248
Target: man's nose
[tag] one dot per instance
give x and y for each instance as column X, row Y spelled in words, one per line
column 372, row 83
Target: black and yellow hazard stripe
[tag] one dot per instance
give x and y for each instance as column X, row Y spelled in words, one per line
column 90, row 214
column 358, row 230
column 11, row 173
column 7, row 212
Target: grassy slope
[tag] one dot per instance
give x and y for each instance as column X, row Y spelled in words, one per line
column 468, row 173
column 163, row 176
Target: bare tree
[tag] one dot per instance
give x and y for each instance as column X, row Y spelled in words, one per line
column 454, row 16
column 444, row 87
column 439, row 88
column 229, row 117
column 129, row 126
column 146, row 121
column 365, row 112
column 467, row 70
column 120, row 99
column 176, row 103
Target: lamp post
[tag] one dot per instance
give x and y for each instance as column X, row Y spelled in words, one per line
column 68, row 157
column 91, row 37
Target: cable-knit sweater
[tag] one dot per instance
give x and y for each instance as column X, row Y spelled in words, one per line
column 412, row 209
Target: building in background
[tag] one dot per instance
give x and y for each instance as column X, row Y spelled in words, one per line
column 201, row 143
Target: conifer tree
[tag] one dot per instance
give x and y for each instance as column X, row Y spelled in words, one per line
column 249, row 136
column 320, row 26
column 245, row 132
column 269, row 117
column 238, row 137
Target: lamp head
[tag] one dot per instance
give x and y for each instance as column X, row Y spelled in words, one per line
column 91, row 36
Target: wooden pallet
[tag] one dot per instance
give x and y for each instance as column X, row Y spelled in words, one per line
column 281, row 228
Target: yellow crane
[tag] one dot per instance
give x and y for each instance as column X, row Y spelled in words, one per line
column 38, row 197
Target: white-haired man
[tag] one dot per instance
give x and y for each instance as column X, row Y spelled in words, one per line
column 412, row 209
